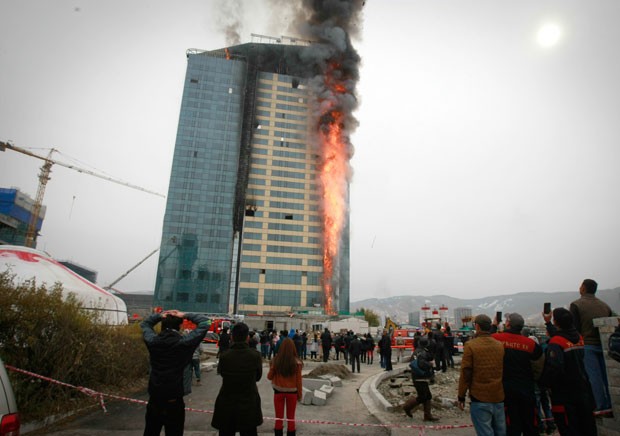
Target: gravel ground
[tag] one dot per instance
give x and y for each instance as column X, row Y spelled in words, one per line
column 397, row 389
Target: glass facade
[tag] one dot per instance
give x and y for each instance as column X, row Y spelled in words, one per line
column 272, row 261
column 194, row 267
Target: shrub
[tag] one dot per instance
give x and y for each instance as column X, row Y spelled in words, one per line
column 42, row 333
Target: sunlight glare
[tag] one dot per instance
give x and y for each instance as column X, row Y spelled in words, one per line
column 549, row 35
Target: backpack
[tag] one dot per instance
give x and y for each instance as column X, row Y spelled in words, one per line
column 614, row 345
column 419, row 372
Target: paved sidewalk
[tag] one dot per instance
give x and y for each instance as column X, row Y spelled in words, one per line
column 344, row 407
column 401, row 425
column 352, row 410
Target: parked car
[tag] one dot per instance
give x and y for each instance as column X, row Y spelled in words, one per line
column 9, row 418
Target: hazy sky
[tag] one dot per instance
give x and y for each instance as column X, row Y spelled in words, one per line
column 485, row 162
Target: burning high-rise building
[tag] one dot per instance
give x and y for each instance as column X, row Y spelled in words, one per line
column 257, row 214
column 245, row 225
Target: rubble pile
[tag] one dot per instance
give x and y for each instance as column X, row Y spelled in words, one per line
column 335, row 369
column 397, row 389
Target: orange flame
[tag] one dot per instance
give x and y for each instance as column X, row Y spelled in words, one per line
column 227, row 54
column 333, row 180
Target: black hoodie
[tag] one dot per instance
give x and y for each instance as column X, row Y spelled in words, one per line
column 564, row 370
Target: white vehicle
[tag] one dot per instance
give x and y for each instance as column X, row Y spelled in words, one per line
column 9, row 418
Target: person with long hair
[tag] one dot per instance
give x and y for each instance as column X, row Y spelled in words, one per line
column 285, row 376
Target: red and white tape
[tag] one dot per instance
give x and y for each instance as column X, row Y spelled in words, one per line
column 100, row 396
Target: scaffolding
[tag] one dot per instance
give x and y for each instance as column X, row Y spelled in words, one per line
column 288, row 40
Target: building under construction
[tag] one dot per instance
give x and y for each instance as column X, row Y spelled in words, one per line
column 242, row 231
column 16, row 212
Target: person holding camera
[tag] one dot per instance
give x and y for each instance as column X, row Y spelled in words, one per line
column 565, row 375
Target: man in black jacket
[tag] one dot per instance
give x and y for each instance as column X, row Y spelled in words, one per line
column 224, row 342
column 565, row 375
column 326, row 344
column 355, row 350
column 170, row 353
column 523, row 363
column 385, row 348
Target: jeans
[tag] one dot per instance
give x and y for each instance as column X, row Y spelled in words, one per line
column 594, row 361
column 388, row 361
column 196, row 368
column 488, row 418
column 355, row 360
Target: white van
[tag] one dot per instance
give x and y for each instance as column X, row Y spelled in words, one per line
column 9, row 418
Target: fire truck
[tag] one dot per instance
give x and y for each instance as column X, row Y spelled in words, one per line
column 403, row 338
column 218, row 323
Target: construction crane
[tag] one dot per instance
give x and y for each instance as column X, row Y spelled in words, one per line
column 162, row 260
column 111, row 285
column 44, row 177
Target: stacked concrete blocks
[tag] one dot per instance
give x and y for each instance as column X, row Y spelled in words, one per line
column 316, row 391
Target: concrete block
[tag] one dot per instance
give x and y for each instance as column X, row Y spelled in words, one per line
column 319, row 398
column 208, row 366
column 396, row 383
column 408, row 390
column 315, row 383
column 611, row 321
column 329, row 390
column 306, row 396
column 336, row 381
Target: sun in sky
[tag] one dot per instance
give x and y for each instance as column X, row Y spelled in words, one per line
column 549, row 35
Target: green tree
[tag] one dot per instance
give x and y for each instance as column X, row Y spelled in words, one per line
column 42, row 332
column 371, row 317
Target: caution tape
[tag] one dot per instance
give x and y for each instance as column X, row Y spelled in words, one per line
column 101, row 395
column 603, row 412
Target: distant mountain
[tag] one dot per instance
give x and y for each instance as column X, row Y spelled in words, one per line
column 528, row 304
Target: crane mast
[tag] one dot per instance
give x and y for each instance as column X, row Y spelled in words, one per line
column 44, row 177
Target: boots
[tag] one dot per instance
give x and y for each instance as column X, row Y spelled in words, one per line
column 410, row 405
column 427, row 412
column 279, row 432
